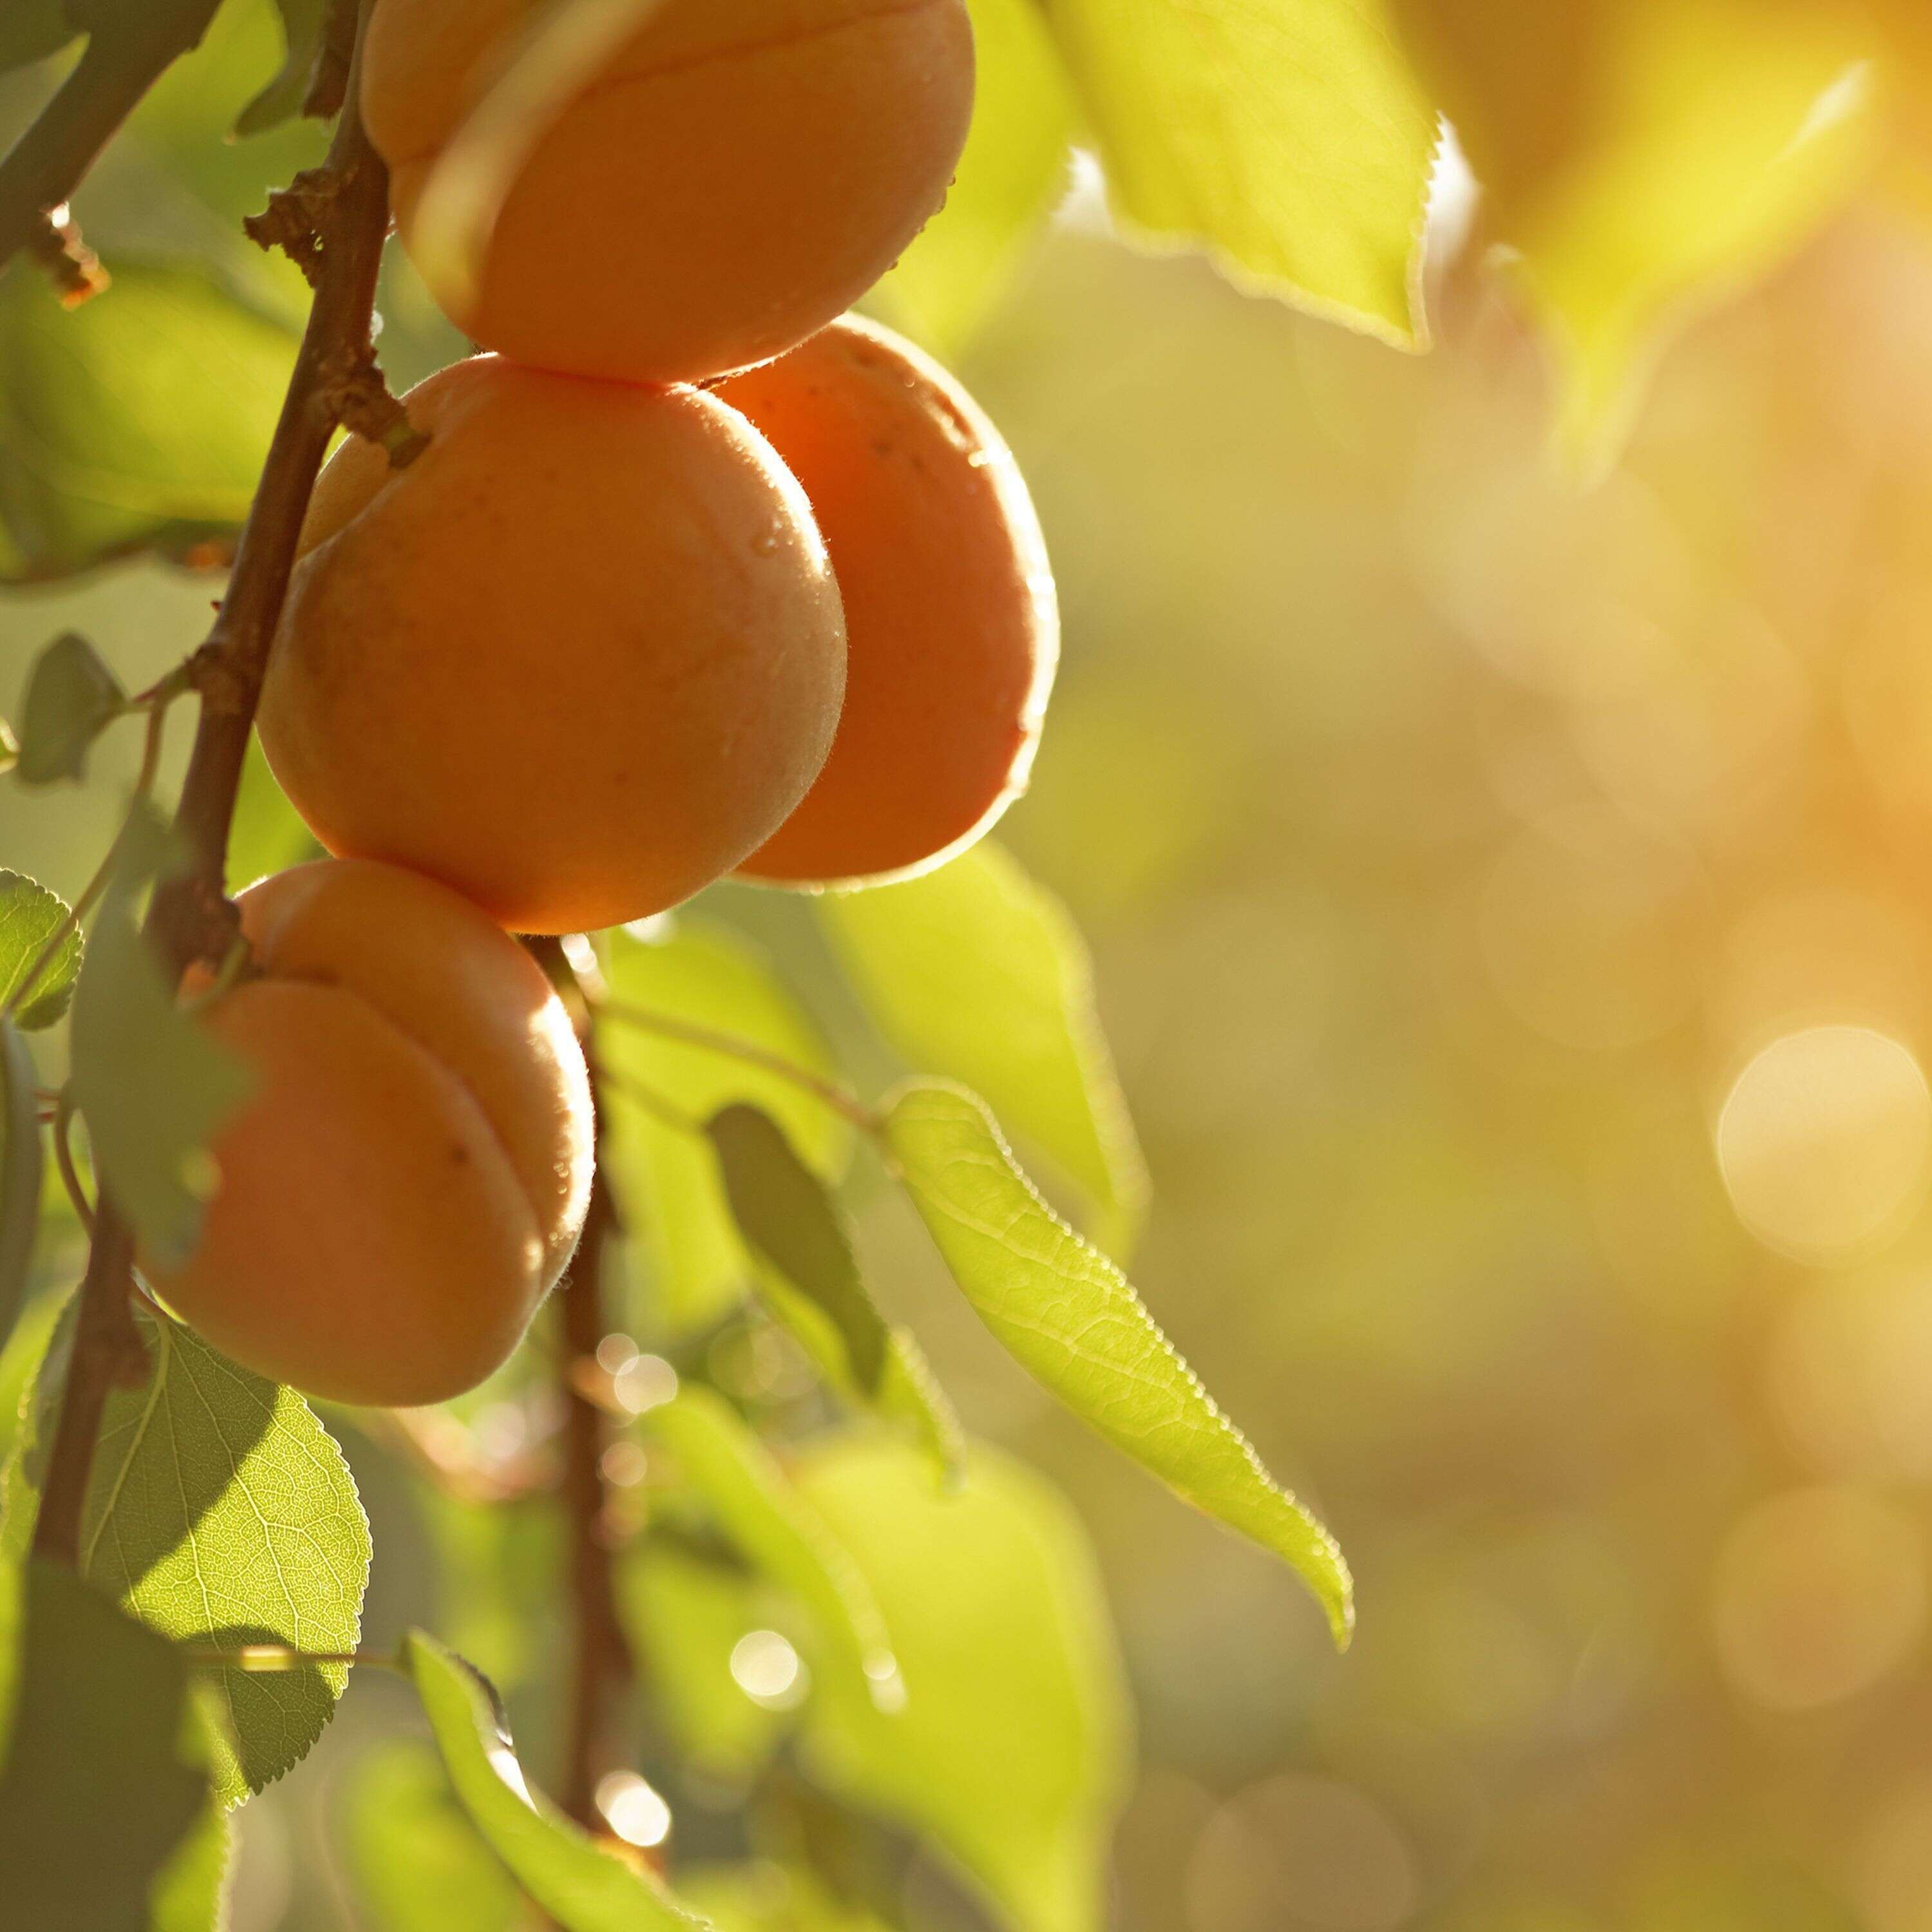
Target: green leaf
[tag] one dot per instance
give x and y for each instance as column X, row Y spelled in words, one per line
column 190, row 1894
column 72, row 698
column 153, row 1083
column 561, row 1868
column 302, row 24
column 766, row 1898
column 1013, row 171
column 30, row 916
column 763, row 1515
column 681, row 1601
column 1010, row 1754
column 666, row 1179
column 1643, row 158
column 414, row 1858
column 811, row 1281
column 976, row 973
column 20, row 1166
column 138, row 420
column 1073, row 1321
column 10, row 748
column 105, row 1783
column 221, row 1513
column 1287, row 137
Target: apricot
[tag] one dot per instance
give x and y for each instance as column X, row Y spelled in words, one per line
column 581, row 656
column 735, row 174
column 951, row 627
column 409, row 1175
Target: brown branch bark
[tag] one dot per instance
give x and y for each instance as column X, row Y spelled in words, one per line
column 601, row 1662
column 190, row 919
column 122, row 60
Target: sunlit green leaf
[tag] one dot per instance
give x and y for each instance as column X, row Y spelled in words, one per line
column 1010, row 1753
column 810, row 1280
column 746, row 1492
column 72, row 698
column 105, row 1783
column 1070, row 1317
column 415, row 1859
column 1643, row 158
column 1014, row 168
column 138, row 420
column 10, row 748
column 763, row 1897
column 680, row 1600
column 975, row 973
column 583, row 1888
column 222, row 1513
column 1287, row 137
column 30, row 916
column 20, row 1165
column 666, row 1178
column 191, row 1893
column 153, row 1083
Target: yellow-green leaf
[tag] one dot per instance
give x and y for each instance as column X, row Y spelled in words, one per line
column 1073, row 1320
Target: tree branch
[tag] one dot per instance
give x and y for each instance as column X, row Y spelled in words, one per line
column 123, row 59
column 190, row 919
column 602, row 1663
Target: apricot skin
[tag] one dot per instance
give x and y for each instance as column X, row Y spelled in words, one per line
column 410, row 1176
column 951, row 627
column 737, row 173
column 580, row 658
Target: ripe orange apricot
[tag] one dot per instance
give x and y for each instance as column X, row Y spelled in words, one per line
column 951, row 627
column 410, row 1173
column 580, row 657
column 734, row 175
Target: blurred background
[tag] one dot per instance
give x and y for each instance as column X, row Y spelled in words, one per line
column 1512, row 910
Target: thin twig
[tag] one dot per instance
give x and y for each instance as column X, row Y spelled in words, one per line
column 121, row 61
column 262, row 1658
column 840, row 1100
column 70, row 1175
column 190, row 919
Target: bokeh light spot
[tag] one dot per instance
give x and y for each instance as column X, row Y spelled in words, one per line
column 1823, row 1141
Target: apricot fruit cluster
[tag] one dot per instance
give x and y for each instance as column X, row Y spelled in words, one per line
column 689, row 577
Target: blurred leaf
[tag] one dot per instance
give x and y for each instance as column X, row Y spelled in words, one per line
column 667, row 1180
column 975, row 973
column 1287, row 137
column 785, row 1212
column 1645, row 158
column 30, row 916
column 680, row 1601
column 139, row 420
column 415, row 1859
column 20, row 1168
column 153, row 1083
column 221, row 1513
column 105, row 1786
column 1010, row 1753
column 30, row 30
column 1070, row 1317
column 302, row 23
column 499, row 1567
column 267, row 835
column 191, row 1894
column 1013, row 170
column 10, row 748
column 761, row 1513
column 582, row 1888
column 72, row 698
column 766, row 1898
